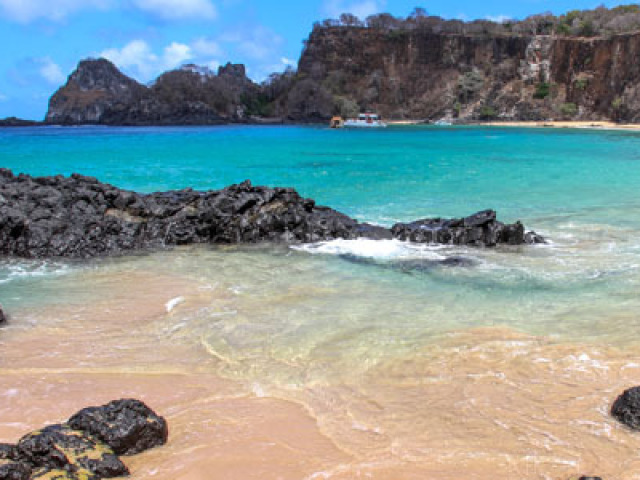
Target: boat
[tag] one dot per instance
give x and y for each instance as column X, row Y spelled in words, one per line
column 367, row 120
column 336, row 122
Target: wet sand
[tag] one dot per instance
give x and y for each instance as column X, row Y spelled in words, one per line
column 483, row 403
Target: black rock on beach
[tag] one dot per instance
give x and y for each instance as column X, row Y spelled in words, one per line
column 81, row 217
column 87, row 446
column 626, row 408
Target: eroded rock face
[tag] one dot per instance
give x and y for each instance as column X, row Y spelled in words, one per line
column 626, row 408
column 126, row 426
column 81, row 217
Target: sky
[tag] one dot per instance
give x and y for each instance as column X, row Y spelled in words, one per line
column 43, row 40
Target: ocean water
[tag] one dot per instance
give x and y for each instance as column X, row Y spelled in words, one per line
column 377, row 361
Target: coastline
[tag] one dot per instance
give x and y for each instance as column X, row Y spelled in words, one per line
column 598, row 125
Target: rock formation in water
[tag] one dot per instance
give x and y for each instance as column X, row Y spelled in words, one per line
column 18, row 122
column 98, row 93
column 579, row 66
column 626, row 408
column 3, row 316
column 82, row 217
column 87, row 446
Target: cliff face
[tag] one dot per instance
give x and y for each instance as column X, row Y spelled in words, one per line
column 600, row 76
column 414, row 74
column 98, row 93
column 402, row 74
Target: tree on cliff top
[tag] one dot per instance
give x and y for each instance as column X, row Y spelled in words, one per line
column 583, row 23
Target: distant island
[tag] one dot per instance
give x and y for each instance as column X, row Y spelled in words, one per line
column 581, row 66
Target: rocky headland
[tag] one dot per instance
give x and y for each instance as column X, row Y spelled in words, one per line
column 579, row 66
column 80, row 217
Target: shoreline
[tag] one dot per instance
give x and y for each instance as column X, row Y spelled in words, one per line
column 596, row 125
column 567, row 124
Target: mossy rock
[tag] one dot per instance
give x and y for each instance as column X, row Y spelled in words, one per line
column 64, row 474
column 59, row 447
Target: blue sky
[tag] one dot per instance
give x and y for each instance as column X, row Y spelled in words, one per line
column 44, row 39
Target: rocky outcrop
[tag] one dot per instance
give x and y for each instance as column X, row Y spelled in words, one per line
column 127, row 426
column 98, row 93
column 626, row 408
column 86, row 447
column 18, row 122
column 479, row 229
column 82, row 217
column 3, row 316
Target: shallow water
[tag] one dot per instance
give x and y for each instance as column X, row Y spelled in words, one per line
column 348, row 359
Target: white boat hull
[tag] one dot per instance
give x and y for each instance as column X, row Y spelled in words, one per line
column 360, row 124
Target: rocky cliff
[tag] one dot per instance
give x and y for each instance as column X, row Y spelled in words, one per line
column 421, row 74
column 404, row 70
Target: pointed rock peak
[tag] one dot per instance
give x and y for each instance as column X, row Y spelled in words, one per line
column 99, row 74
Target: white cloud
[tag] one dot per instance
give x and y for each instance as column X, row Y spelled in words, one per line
column 25, row 11
column 206, row 48
column 498, row 18
column 175, row 55
column 288, row 62
column 135, row 57
column 138, row 59
column 360, row 8
column 50, row 71
column 178, row 9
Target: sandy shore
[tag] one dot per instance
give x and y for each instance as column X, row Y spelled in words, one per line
column 605, row 125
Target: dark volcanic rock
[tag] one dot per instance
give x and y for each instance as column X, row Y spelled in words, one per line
column 81, row 217
column 59, row 447
column 626, row 408
column 3, row 320
column 481, row 228
column 82, row 448
column 14, row 471
column 17, row 122
column 127, row 426
column 8, row 452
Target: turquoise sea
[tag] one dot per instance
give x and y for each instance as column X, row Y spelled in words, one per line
column 530, row 344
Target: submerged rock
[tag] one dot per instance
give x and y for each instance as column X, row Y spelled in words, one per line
column 626, row 408
column 81, row 217
column 126, row 426
column 418, row 265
